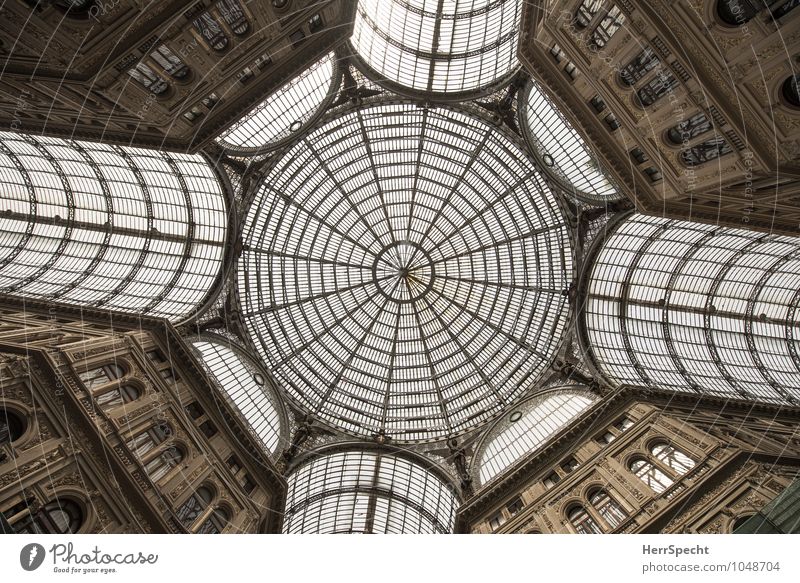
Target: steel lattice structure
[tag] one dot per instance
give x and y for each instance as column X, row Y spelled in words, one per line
column 103, row 226
column 691, row 307
column 367, row 492
column 405, row 272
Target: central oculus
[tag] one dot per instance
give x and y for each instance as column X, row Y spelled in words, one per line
column 403, row 271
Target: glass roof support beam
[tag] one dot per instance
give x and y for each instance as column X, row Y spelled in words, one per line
column 70, row 220
column 188, row 241
column 137, row 265
column 31, row 221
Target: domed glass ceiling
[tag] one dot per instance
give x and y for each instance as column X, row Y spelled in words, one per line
column 404, row 272
column 438, row 46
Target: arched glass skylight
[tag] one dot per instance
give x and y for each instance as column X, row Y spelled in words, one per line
column 440, row 46
column 527, row 428
column 367, row 492
column 246, row 388
column 285, row 112
column 404, row 272
column 125, row 229
column 563, row 150
column 691, row 307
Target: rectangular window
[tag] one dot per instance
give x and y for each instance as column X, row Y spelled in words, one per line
column 497, row 521
column 208, row 429
column 515, row 506
column 638, row 155
column 248, row 485
column 551, row 480
column 612, row 122
column 194, row 410
column 315, row 24
column 297, row 37
column 569, row 465
column 597, row 103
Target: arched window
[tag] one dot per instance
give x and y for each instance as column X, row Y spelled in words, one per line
column 582, row 521
column 638, row 67
column 159, row 466
column 674, row 459
column 234, row 16
column 657, row 480
column 791, row 90
column 195, row 505
column 60, row 516
column 656, row 88
column 608, row 508
column 11, row 426
column 611, row 22
column 99, row 376
column 706, row 151
column 170, row 62
column 211, row 32
column 117, row 396
column 689, row 129
column 148, row 79
column 153, row 450
column 586, row 12
column 215, row 523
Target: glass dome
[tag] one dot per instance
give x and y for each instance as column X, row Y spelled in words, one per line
column 285, row 112
column 405, row 272
column 434, row 46
column 367, row 492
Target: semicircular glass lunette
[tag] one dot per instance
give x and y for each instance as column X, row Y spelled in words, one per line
column 245, row 388
column 541, row 417
column 285, row 112
column 563, row 150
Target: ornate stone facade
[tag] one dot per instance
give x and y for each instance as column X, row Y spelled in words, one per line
column 630, row 72
column 121, row 426
column 679, row 464
column 197, row 65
